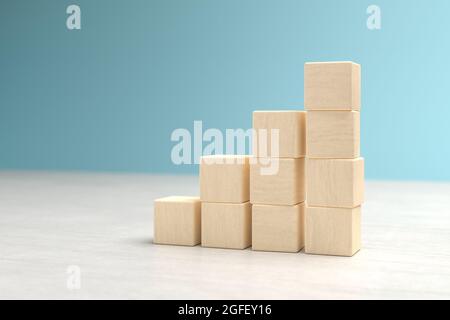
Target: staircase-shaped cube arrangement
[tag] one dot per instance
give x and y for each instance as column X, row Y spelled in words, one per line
column 303, row 186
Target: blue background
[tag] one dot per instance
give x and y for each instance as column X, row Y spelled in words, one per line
column 108, row 96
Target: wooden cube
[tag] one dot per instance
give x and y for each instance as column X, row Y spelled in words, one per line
column 333, row 134
column 333, row 231
column 177, row 221
column 286, row 187
column 224, row 178
column 332, row 86
column 291, row 133
column 335, row 182
column 226, row 225
column 278, row 228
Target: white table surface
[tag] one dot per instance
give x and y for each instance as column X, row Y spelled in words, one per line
column 103, row 224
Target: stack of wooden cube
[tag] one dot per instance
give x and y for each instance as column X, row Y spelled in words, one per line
column 334, row 168
column 278, row 195
column 226, row 215
column 221, row 217
column 259, row 201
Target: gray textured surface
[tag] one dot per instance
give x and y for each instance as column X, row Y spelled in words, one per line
column 103, row 224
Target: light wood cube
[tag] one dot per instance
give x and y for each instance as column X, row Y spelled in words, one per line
column 286, row 187
column 333, row 134
column 332, row 86
column 335, row 182
column 291, row 133
column 278, row 228
column 224, row 178
column 333, row 231
column 226, row 225
column 177, row 221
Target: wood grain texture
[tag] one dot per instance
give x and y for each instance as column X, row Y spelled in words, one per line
column 333, row 231
column 278, row 228
column 335, row 182
column 177, row 220
column 104, row 224
column 286, row 187
column 226, row 225
column 224, row 178
column 333, row 134
column 332, row 86
column 292, row 133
